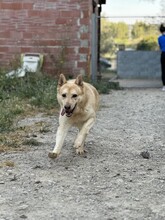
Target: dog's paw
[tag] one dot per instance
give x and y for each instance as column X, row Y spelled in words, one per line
column 52, row 155
column 80, row 151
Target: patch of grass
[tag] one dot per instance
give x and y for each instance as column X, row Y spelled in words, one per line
column 32, row 87
column 11, row 141
column 104, row 87
column 10, row 108
column 17, row 93
column 7, row 163
column 22, row 137
column 44, row 129
column 31, row 142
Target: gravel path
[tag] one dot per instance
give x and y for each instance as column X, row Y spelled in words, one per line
column 113, row 181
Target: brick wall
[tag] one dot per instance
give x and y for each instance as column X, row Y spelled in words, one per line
column 60, row 29
column 138, row 64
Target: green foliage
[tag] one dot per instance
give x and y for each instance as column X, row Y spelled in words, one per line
column 120, row 33
column 16, row 93
column 107, row 37
column 122, row 30
column 110, row 32
column 138, row 30
column 39, row 89
column 10, row 108
column 141, row 30
column 148, row 43
column 32, row 142
column 104, row 87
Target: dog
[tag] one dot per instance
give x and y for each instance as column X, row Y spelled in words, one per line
column 79, row 102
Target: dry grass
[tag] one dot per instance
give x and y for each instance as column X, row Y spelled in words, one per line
column 7, row 163
column 22, row 137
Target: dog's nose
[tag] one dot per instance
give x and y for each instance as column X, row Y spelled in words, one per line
column 67, row 107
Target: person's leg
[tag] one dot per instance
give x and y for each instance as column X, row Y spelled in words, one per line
column 163, row 67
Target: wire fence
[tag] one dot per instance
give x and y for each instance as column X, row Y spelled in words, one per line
column 133, row 19
column 132, row 42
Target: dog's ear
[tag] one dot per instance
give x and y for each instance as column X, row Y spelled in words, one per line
column 62, row 80
column 79, row 80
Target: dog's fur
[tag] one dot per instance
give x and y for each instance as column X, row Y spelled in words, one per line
column 79, row 102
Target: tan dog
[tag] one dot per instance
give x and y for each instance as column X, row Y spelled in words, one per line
column 79, row 102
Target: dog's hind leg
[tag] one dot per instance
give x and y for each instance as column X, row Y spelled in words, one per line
column 60, row 137
column 80, row 140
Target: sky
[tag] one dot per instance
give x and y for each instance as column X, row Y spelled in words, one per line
column 131, row 8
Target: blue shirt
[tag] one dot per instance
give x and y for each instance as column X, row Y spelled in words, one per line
column 161, row 41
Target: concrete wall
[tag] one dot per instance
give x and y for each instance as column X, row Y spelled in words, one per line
column 138, row 64
column 59, row 29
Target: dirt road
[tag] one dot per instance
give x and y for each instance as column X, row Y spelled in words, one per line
column 113, row 181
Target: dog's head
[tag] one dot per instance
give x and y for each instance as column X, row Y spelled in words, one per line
column 69, row 94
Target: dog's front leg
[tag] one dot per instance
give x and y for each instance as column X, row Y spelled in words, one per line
column 80, row 140
column 60, row 137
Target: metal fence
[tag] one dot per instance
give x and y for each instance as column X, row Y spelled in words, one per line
column 133, row 19
column 137, row 64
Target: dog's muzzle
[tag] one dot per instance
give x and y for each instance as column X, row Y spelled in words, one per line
column 67, row 110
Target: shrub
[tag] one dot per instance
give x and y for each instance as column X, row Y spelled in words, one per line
column 148, row 43
column 15, row 93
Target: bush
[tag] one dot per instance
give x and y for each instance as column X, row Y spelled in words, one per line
column 104, row 87
column 40, row 90
column 15, row 93
column 148, row 43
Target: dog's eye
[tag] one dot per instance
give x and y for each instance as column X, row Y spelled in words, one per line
column 64, row 95
column 74, row 95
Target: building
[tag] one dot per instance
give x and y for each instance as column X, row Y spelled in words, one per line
column 65, row 31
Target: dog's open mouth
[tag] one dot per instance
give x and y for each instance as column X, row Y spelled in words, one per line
column 68, row 112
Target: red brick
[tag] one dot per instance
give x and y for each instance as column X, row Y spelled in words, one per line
column 84, row 50
column 26, row 50
column 49, row 15
column 85, row 13
column 4, row 49
column 14, row 50
column 33, row 13
column 61, row 20
column 2, row 41
column 76, row 13
column 5, row 34
column 83, row 65
column 27, row 6
column 84, row 21
column 84, row 36
column 50, row 42
column 68, row 14
column 11, row 6
column 27, row 35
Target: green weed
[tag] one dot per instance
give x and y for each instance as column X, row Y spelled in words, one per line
column 104, row 87
column 16, row 93
column 31, row 142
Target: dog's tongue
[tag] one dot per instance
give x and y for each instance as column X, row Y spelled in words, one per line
column 63, row 112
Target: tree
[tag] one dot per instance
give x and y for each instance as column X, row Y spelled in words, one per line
column 148, row 43
column 141, row 29
column 122, row 30
column 141, row 36
column 107, row 37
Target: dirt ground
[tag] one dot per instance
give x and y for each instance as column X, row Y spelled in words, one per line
column 112, row 181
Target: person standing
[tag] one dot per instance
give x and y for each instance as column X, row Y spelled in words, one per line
column 161, row 42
